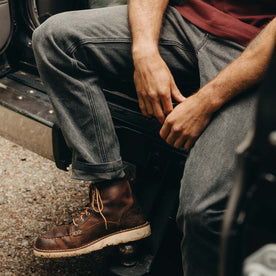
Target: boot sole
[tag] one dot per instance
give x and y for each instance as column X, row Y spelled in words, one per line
column 116, row 238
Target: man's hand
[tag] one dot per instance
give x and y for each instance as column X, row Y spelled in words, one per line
column 155, row 87
column 154, row 82
column 186, row 122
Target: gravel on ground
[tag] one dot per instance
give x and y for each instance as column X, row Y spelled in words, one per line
column 34, row 197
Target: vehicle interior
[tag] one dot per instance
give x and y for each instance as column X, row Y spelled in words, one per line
column 30, row 122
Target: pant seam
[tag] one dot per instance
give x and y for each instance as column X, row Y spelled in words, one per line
column 203, row 43
column 73, row 47
column 89, row 94
column 93, row 109
column 175, row 43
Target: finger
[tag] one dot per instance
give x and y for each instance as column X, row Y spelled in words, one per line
column 189, row 143
column 177, row 95
column 142, row 105
column 158, row 112
column 171, row 138
column 165, row 130
column 179, row 143
column 167, row 104
column 148, row 104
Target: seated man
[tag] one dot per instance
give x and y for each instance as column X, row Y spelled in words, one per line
column 196, row 50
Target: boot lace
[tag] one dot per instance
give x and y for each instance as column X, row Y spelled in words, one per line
column 96, row 205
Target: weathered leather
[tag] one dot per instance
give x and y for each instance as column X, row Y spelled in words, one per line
column 119, row 208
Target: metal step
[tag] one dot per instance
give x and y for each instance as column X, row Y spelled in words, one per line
column 26, row 117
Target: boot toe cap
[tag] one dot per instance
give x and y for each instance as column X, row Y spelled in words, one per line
column 52, row 240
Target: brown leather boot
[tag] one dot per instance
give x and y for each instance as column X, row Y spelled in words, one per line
column 113, row 217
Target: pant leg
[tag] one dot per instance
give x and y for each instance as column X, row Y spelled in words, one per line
column 210, row 167
column 75, row 53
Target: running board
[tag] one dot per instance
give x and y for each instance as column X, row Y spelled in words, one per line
column 26, row 117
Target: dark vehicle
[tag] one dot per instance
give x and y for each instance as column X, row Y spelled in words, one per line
column 27, row 118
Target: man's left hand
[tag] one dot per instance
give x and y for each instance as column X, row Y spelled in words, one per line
column 186, row 122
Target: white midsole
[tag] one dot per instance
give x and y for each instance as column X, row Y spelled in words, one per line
column 117, row 238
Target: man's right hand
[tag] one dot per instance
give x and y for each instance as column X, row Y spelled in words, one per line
column 155, row 86
column 154, row 82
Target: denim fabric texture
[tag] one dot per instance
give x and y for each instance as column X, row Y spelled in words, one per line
column 77, row 52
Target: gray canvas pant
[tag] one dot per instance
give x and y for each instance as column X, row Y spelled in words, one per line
column 78, row 52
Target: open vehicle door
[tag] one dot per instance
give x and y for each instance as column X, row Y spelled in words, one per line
column 5, row 25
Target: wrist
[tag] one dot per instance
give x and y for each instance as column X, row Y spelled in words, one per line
column 143, row 51
column 210, row 100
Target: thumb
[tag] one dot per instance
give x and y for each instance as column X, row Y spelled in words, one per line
column 177, row 95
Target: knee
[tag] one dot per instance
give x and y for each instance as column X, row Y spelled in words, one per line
column 51, row 33
column 193, row 219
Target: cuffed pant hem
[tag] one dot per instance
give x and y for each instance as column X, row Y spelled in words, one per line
column 91, row 176
column 99, row 172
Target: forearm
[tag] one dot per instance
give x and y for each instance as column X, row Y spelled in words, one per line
column 188, row 119
column 145, row 18
column 154, row 83
column 246, row 71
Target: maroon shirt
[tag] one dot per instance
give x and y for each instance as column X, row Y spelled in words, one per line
column 228, row 19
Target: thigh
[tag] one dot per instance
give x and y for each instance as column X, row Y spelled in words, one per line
column 210, row 167
column 207, row 182
column 99, row 40
column 214, row 55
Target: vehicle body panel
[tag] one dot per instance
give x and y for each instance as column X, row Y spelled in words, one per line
column 5, row 24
